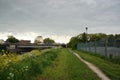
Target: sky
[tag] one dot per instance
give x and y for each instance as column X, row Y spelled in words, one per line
column 58, row 19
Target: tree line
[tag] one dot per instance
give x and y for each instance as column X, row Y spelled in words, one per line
column 85, row 38
column 12, row 39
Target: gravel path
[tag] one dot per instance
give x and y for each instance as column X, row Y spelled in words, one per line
column 93, row 68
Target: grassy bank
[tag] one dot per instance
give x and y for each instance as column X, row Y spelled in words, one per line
column 67, row 67
column 22, row 67
column 109, row 68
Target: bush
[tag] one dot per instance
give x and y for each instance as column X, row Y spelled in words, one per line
column 31, row 65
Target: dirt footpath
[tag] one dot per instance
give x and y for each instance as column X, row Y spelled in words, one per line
column 92, row 67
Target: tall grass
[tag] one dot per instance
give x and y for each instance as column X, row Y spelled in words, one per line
column 22, row 67
column 67, row 67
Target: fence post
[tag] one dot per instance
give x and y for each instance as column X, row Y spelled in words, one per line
column 106, row 41
column 95, row 46
column 89, row 46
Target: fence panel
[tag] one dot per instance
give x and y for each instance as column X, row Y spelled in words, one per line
column 100, row 47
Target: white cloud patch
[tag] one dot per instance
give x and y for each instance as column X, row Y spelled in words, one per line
column 21, row 36
column 3, row 36
column 60, row 39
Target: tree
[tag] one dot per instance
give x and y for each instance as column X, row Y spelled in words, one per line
column 73, row 42
column 111, row 40
column 38, row 39
column 77, row 39
column 12, row 39
column 84, row 37
column 97, row 36
column 48, row 41
column 94, row 37
column 117, row 36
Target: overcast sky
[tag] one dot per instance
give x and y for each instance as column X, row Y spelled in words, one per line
column 58, row 19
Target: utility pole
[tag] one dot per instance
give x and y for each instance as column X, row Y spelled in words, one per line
column 106, row 42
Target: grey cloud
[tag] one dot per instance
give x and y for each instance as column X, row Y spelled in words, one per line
column 59, row 16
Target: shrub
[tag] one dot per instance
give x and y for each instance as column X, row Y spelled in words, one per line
column 29, row 65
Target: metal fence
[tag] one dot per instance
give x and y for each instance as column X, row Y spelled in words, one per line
column 100, row 47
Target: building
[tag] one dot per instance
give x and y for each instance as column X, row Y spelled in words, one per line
column 24, row 42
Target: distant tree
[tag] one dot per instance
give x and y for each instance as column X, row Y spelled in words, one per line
column 117, row 36
column 111, row 40
column 12, row 39
column 97, row 36
column 94, row 37
column 101, row 35
column 73, row 42
column 38, row 39
column 48, row 40
column 84, row 37
column 81, row 38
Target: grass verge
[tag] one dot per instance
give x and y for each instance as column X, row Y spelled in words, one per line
column 67, row 67
column 109, row 68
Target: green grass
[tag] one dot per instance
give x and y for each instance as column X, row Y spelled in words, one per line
column 67, row 67
column 54, row 64
column 30, row 64
column 109, row 68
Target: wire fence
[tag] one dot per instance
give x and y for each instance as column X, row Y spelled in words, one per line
column 102, row 47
